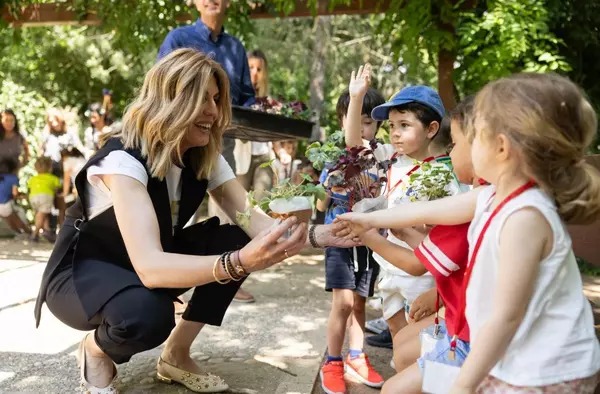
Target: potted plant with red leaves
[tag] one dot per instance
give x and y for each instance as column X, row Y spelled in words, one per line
column 360, row 171
column 295, row 109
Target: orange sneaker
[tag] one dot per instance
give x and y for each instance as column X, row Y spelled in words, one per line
column 361, row 369
column 332, row 377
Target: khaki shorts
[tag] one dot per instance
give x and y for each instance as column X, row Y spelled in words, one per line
column 42, row 203
column 398, row 290
column 6, row 209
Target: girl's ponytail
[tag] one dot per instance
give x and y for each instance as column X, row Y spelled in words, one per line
column 576, row 191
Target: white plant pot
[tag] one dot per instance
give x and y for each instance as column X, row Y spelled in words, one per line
column 300, row 206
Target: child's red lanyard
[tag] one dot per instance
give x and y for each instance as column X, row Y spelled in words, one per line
column 462, row 320
column 409, row 173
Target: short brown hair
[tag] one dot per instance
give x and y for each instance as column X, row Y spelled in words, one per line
column 43, row 164
column 463, row 112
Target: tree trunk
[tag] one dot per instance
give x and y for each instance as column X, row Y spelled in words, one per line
column 321, row 35
column 446, row 60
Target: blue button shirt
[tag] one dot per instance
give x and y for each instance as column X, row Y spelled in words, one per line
column 227, row 50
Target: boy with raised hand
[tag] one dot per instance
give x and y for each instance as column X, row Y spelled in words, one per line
column 350, row 274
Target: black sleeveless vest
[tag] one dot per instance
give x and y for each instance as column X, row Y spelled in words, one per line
column 96, row 246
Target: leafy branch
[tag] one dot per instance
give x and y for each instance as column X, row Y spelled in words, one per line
column 430, row 183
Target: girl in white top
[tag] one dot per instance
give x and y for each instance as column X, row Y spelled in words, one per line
column 532, row 329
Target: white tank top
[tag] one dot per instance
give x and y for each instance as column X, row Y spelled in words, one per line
column 556, row 341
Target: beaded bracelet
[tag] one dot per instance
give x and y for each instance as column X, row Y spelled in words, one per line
column 232, row 274
column 311, row 236
column 226, row 266
column 215, row 265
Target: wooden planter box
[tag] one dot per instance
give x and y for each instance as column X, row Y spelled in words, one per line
column 251, row 125
column 586, row 239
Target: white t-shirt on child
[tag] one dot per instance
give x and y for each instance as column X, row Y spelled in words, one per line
column 398, row 196
column 122, row 163
column 555, row 341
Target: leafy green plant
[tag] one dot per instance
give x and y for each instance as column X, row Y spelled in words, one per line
column 330, row 152
column 285, row 189
column 430, row 183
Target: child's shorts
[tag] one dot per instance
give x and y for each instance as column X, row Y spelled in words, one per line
column 491, row 385
column 341, row 271
column 442, row 349
column 42, row 203
column 6, row 209
column 398, row 290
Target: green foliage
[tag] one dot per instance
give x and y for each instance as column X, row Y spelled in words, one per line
column 503, row 37
column 354, row 40
column 286, row 189
column 430, row 183
column 327, row 153
column 576, row 23
column 71, row 65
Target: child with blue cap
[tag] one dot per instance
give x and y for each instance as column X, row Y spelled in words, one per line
column 415, row 115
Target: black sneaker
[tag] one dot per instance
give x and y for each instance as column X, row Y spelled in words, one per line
column 381, row 340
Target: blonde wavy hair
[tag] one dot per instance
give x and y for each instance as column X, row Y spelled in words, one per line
column 551, row 122
column 170, row 100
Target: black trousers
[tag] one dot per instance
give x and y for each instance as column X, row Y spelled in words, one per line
column 137, row 318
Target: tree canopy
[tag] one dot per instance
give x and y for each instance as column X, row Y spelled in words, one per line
column 458, row 45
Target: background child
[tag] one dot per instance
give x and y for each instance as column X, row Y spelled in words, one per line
column 531, row 327
column 414, row 117
column 9, row 185
column 42, row 189
column 350, row 275
column 285, row 171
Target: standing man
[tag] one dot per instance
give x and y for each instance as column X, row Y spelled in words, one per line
column 208, row 36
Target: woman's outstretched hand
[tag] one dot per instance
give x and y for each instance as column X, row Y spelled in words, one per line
column 266, row 250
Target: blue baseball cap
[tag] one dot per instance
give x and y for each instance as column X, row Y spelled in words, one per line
column 412, row 94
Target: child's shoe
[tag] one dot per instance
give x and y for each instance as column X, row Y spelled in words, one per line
column 376, row 326
column 332, row 377
column 361, row 369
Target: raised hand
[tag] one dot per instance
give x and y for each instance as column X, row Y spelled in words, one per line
column 360, row 81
